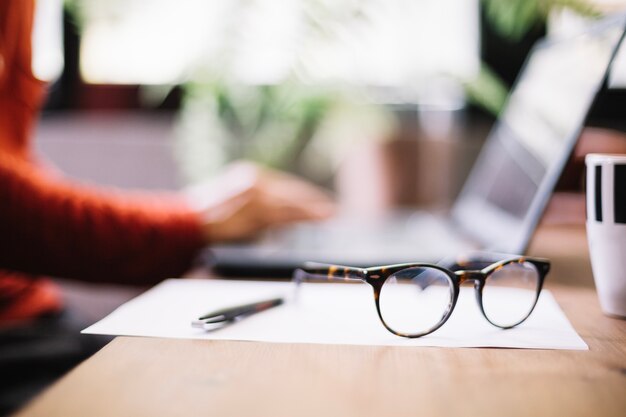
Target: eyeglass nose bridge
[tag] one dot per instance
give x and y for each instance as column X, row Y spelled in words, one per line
column 471, row 275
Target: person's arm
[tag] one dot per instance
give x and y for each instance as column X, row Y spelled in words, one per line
column 55, row 227
column 246, row 199
column 51, row 226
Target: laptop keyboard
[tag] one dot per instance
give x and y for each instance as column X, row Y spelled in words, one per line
column 405, row 238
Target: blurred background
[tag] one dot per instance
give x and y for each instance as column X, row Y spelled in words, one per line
column 392, row 98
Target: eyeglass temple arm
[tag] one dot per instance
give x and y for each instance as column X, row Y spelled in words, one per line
column 469, row 264
column 328, row 272
column 484, row 262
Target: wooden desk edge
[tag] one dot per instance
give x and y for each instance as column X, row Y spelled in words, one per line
column 132, row 374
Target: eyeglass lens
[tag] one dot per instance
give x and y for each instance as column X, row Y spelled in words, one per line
column 519, row 281
column 415, row 300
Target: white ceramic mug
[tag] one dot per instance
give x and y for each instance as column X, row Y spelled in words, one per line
column 606, row 229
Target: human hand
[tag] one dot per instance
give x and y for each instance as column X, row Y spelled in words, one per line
column 246, row 199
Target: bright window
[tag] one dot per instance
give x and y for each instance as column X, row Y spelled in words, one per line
column 373, row 42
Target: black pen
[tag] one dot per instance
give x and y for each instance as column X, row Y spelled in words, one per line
column 230, row 314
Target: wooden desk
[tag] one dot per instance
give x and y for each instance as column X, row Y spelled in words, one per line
column 158, row 377
column 567, row 248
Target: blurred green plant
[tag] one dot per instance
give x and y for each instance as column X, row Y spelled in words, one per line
column 487, row 90
column 513, row 19
column 284, row 124
column 280, row 125
column 83, row 11
column 287, row 126
column 270, row 124
column 276, row 124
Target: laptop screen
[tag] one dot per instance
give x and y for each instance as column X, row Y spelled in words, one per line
column 524, row 155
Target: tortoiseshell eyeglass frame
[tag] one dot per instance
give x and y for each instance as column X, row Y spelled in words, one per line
column 476, row 271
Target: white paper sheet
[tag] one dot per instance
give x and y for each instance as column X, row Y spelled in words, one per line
column 323, row 313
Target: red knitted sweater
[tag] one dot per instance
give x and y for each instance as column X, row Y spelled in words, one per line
column 51, row 226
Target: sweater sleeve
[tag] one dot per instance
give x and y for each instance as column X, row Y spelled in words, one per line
column 52, row 226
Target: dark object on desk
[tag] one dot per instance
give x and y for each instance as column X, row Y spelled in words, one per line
column 230, row 314
column 505, row 194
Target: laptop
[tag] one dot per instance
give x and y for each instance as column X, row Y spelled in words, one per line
column 503, row 197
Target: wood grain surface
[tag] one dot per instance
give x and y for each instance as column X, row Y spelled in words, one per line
column 160, row 377
column 567, row 248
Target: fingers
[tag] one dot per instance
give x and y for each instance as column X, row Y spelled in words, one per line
column 296, row 202
column 282, row 196
column 247, row 199
column 287, row 198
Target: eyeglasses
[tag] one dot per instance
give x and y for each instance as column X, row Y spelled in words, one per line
column 413, row 300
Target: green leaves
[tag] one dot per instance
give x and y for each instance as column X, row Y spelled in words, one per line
column 271, row 124
column 487, row 90
column 514, row 18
